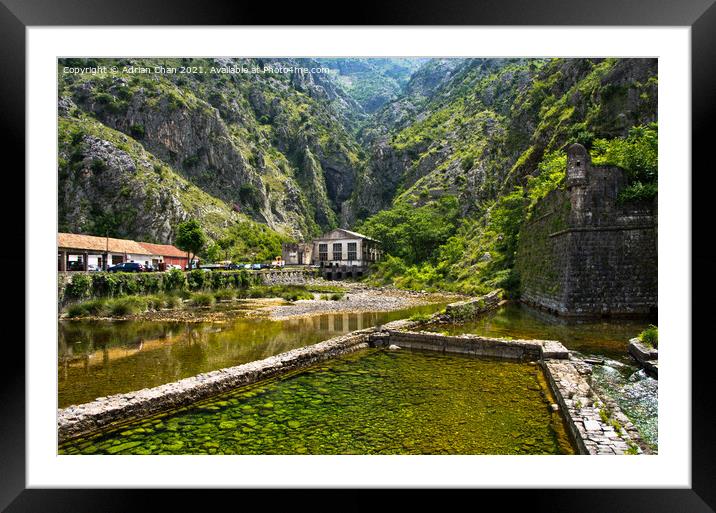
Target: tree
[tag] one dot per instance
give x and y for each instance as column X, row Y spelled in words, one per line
column 190, row 238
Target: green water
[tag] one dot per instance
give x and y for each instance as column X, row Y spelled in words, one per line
column 618, row 377
column 606, row 338
column 371, row 402
column 100, row 358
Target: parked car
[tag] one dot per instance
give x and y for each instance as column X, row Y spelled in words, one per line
column 173, row 266
column 234, row 267
column 248, row 266
column 256, row 267
column 127, row 267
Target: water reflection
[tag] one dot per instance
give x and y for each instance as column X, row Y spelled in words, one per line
column 99, row 358
column 607, row 338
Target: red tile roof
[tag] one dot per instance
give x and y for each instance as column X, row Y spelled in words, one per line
column 166, row 250
column 92, row 243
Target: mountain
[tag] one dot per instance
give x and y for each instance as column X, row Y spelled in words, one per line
column 474, row 131
column 373, row 82
column 271, row 145
column 390, row 146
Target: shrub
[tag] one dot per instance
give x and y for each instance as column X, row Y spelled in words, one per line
column 191, row 161
column 219, row 280
column 650, row 336
column 80, row 286
column 127, row 306
column 202, row 299
column 172, row 301
column 137, row 131
column 98, row 166
column 148, row 283
column 196, row 279
column 105, row 284
column 174, row 280
column 225, row 295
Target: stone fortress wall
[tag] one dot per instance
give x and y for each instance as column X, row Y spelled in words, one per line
column 583, row 253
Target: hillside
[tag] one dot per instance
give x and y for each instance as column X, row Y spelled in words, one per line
column 441, row 159
column 273, row 146
column 453, row 173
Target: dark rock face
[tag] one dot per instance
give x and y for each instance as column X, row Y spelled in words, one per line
column 584, row 253
column 121, row 192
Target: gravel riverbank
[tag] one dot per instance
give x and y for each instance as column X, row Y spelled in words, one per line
column 357, row 300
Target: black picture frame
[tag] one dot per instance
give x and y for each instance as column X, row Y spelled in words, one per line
column 700, row 15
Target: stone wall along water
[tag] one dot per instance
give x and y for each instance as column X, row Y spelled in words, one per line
column 471, row 308
column 585, row 253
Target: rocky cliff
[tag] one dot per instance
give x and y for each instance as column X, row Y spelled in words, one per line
column 304, row 152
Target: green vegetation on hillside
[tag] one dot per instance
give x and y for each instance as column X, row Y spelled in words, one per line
column 494, row 137
column 442, row 160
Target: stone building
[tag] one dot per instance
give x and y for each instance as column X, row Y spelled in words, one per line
column 342, row 254
column 339, row 254
column 298, row 253
column 585, row 253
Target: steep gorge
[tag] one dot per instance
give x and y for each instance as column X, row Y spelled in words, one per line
column 305, row 152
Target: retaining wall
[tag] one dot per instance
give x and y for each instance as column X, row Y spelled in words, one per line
column 585, row 253
column 102, row 284
column 87, row 418
column 464, row 310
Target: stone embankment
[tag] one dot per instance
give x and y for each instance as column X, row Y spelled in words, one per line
column 87, row 418
column 471, row 308
column 645, row 355
column 596, row 427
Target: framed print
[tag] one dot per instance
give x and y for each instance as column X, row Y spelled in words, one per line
column 397, row 255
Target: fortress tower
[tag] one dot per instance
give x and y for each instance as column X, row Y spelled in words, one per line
column 584, row 252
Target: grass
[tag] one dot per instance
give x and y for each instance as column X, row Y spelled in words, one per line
column 225, row 295
column 135, row 304
column 420, row 317
column 612, row 422
column 650, row 336
column 326, row 288
column 202, row 299
column 123, row 306
column 129, row 305
column 95, row 307
column 336, row 296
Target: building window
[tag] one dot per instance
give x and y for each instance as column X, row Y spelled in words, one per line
column 323, row 252
column 337, row 251
column 352, row 251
